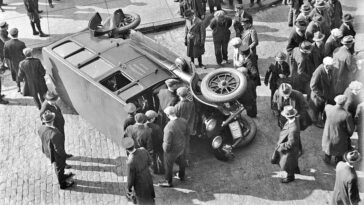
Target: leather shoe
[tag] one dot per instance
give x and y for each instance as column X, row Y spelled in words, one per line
column 287, row 180
column 40, row 11
column 43, row 35
column 67, row 185
column 68, row 166
column 69, row 155
column 69, row 175
column 165, row 184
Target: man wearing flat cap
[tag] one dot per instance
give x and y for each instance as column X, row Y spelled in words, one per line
column 174, row 144
column 130, row 109
column 50, row 104
column 53, row 148
column 167, row 97
column 346, row 189
column 13, row 54
column 240, row 14
column 138, row 174
column 339, row 127
column 249, row 36
column 333, row 41
column 186, row 109
column 32, row 72
column 346, row 65
column 336, row 13
column 157, row 140
column 289, row 144
column 297, row 36
column 347, row 27
column 140, row 133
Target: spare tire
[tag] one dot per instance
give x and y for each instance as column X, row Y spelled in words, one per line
column 133, row 21
column 248, row 122
column 223, row 85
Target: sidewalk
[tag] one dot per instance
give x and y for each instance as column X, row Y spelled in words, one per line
column 70, row 16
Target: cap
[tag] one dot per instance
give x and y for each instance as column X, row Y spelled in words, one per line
column 127, row 142
column 139, row 118
column 3, row 24
column 305, row 47
column 130, row 108
column 285, row 89
column 13, row 32
column 182, row 91
column 347, row 40
column 340, row 99
column 150, row 114
column 48, row 116
column 27, row 52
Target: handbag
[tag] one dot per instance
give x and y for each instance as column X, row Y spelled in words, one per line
column 275, row 156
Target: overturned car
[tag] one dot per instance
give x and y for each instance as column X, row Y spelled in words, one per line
column 99, row 74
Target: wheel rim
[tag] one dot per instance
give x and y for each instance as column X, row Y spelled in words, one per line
column 223, row 83
column 128, row 19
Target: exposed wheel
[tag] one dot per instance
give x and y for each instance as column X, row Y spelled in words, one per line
column 251, row 130
column 223, row 85
column 131, row 21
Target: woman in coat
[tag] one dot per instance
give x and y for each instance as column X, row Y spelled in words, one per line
column 289, row 144
column 194, row 37
column 220, row 25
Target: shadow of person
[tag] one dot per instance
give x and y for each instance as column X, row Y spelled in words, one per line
column 114, row 188
column 116, row 165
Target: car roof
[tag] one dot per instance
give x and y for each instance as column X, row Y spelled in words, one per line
column 101, row 57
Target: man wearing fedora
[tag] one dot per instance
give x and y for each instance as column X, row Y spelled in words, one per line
column 141, row 134
column 277, row 73
column 339, row 127
column 13, row 54
column 285, row 96
column 50, row 104
column 336, row 13
column 289, row 144
column 32, row 72
column 167, row 97
column 320, row 8
column 313, row 27
column 333, row 41
column 322, row 90
column 305, row 12
column 318, row 48
column 347, row 27
column 53, row 148
column 294, row 10
column 138, row 174
column 174, row 144
column 297, row 36
column 302, row 67
column 129, row 108
column 240, row 14
column 346, row 65
column 157, row 140
column 346, row 189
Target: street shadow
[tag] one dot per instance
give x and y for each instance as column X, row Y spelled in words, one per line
column 348, row 8
column 98, row 187
column 276, row 15
column 266, row 37
column 116, row 165
column 97, row 160
column 263, row 28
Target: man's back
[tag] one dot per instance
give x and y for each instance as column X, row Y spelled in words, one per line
column 13, row 49
column 142, row 136
column 166, row 98
column 175, row 133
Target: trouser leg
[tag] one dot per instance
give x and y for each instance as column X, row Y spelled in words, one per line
column 199, row 60
column 187, row 148
column 272, row 91
column 168, row 164
column 218, row 5
column 60, row 175
column 37, row 101
column 290, row 175
column 338, row 159
column 32, row 24
column 218, row 55
column 181, row 162
column 224, row 48
column 290, row 16
column 160, row 158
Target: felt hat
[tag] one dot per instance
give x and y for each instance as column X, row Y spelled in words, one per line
column 3, row 24
column 352, row 156
column 306, row 7
column 48, row 116
column 355, row 85
column 337, row 33
column 188, row 13
column 280, row 56
column 27, row 52
column 235, row 42
column 320, row 4
column 300, row 21
column 150, row 114
column 317, row 18
column 50, row 96
column 347, row 40
column 140, row 118
column 127, row 142
column 348, row 17
column 182, row 91
column 340, row 99
column 318, row 36
column 328, row 60
column 130, row 108
column 289, row 111
column 285, row 89
column 13, row 32
column 305, row 47
column 239, row 6
column 170, row 110
column 171, row 82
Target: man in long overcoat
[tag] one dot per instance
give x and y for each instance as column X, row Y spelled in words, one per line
column 32, row 72
column 347, row 27
column 129, row 108
column 52, row 147
column 3, row 38
column 249, row 36
column 212, row 4
column 336, row 13
column 333, row 42
column 289, row 144
column 31, row 7
column 195, row 34
column 313, row 27
column 174, row 144
column 138, row 174
column 355, row 96
column 13, row 54
column 167, row 97
column 318, row 49
column 346, row 190
column 220, row 25
column 345, row 63
column 339, row 127
column 322, row 9
column 294, row 10
column 141, row 134
column 322, row 90
column 240, row 14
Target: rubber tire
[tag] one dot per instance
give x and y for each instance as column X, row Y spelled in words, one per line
column 133, row 25
column 252, row 133
column 216, row 98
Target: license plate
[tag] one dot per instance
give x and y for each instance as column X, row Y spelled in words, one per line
column 235, row 130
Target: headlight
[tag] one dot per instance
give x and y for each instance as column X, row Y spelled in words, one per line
column 216, row 142
column 211, row 125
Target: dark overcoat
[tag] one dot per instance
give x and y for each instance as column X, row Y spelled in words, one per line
column 220, row 30
column 322, row 87
column 326, row 20
column 346, row 190
column 302, row 68
column 139, row 176
column 346, row 68
column 272, row 75
column 52, row 145
column 129, row 121
column 186, row 110
column 250, row 62
column 347, row 29
column 32, row 10
column 175, row 135
column 166, row 98
column 294, row 40
column 196, row 6
column 58, row 120
column 318, row 54
column 32, row 70
column 3, row 38
column 330, row 45
column 289, row 146
column 13, row 52
column 195, row 34
column 352, row 101
column 312, row 28
column 336, row 14
column 142, row 136
column 339, row 126
column 157, row 137
column 237, row 22
column 359, row 121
